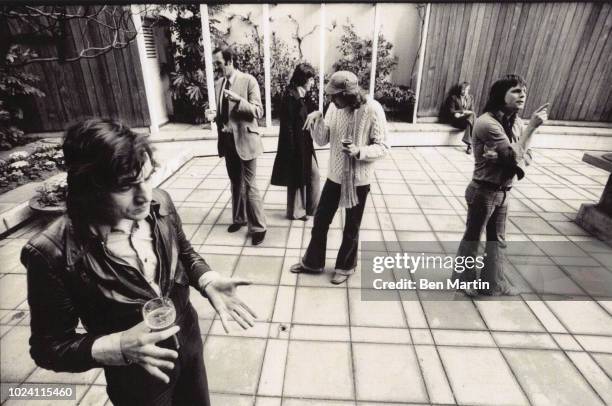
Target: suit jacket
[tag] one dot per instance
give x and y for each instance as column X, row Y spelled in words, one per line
column 243, row 116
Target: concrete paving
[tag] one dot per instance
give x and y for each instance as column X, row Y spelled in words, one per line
column 319, row 344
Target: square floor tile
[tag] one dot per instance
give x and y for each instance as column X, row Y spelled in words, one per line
column 550, row 378
column 410, row 222
column 371, row 313
column 508, row 316
column 326, row 306
column 382, row 371
column 236, row 363
column 319, row 370
column 582, row 317
column 452, row 315
column 200, row 195
column 224, row 264
column 219, row 236
column 263, row 270
column 480, row 376
column 13, row 291
column 192, row 215
column 16, row 363
column 260, row 298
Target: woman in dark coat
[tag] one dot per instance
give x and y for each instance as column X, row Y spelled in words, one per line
column 458, row 112
column 295, row 165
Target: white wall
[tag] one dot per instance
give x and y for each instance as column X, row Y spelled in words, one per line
column 400, row 24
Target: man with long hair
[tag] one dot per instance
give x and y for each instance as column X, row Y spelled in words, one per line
column 355, row 126
column 295, row 165
column 121, row 244
column 501, row 144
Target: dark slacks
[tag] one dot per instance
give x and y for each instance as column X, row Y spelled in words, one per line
column 132, row 386
column 487, row 210
column 346, row 260
column 247, row 206
column 303, row 200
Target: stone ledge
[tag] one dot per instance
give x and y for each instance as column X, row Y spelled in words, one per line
column 595, row 221
column 203, row 143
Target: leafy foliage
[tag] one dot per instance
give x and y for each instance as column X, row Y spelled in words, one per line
column 187, row 73
column 15, row 86
column 356, row 56
column 52, row 193
column 21, row 167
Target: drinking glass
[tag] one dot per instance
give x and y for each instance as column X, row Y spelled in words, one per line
column 160, row 314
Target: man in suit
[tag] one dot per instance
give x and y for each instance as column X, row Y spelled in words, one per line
column 239, row 102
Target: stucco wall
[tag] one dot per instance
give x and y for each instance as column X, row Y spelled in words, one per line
column 399, row 23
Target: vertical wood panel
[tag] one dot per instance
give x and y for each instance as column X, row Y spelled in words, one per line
column 109, row 85
column 563, row 50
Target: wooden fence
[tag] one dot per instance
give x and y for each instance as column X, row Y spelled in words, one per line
column 563, row 50
column 110, row 85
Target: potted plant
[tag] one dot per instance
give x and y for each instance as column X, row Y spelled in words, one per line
column 50, row 197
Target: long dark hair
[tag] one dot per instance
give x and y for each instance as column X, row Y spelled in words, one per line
column 101, row 156
column 301, row 74
column 496, row 101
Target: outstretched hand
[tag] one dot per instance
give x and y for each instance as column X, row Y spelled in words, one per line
column 310, row 120
column 223, row 296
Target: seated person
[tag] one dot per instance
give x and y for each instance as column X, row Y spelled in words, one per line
column 457, row 111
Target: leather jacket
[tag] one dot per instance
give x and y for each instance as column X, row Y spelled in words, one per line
column 71, row 276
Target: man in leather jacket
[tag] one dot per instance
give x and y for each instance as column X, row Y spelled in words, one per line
column 121, row 244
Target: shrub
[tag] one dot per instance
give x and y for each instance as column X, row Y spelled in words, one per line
column 15, row 86
column 187, row 74
column 52, row 193
column 356, row 56
column 22, row 167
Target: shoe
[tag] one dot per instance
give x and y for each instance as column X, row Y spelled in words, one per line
column 303, row 218
column 468, row 150
column 258, row 237
column 299, row 268
column 339, row 278
column 234, row 227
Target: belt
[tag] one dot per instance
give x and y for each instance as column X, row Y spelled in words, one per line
column 492, row 186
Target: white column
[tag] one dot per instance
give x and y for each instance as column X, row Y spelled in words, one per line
column 322, row 29
column 421, row 62
column 374, row 51
column 267, row 73
column 210, row 79
column 144, row 65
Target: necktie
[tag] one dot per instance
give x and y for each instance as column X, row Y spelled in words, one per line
column 224, row 104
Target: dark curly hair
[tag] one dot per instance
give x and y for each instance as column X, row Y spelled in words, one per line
column 101, row 155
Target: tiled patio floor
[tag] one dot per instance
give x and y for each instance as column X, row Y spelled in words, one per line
column 319, row 344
